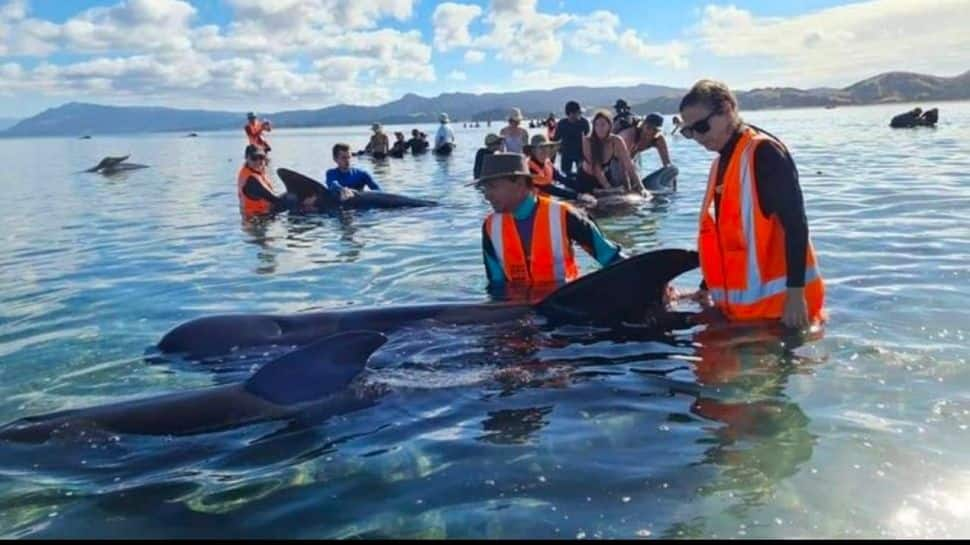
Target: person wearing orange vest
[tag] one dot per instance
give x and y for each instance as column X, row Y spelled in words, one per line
column 254, row 188
column 545, row 174
column 756, row 257
column 528, row 240
column 255, row 129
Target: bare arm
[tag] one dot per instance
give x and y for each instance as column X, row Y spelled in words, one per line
column 621, row 153
column 663, row 151
column 595, row 170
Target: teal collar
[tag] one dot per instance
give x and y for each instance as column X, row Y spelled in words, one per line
column 526, row 207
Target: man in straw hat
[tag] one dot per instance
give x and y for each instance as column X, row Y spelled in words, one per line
column 528, row 240
column 515, row 136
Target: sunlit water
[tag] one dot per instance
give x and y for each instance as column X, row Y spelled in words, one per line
column 863, row 433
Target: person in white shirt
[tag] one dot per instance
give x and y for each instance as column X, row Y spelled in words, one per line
column 445, row 135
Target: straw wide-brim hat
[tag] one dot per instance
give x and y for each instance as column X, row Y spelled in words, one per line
column 515, row 114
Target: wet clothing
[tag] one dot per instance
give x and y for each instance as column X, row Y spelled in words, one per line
column 570, row 135
column 479, row 159
column 579, row 228
column 353, row 178
column 444, row 136
column 418, row 145
column 776, row 181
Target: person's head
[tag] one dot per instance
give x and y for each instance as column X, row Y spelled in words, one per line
column 399, row 136
column 917, row 111
column 377, row 128
column 541, row 147
column 710, row 114
column 621, row 107
column 652, row 125
column 494, row 142
column 573, row 110
column 602, row 127
column 505, row 181
column 251, row 117
column 443, row 119
column 414, row 133
column 255, row 157
column 515, row 117
column 341, row 156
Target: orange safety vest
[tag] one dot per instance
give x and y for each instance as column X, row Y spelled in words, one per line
column 254, row 131
column 742, row 252
column 551, row 260
column 252, row 207
column 542, row 174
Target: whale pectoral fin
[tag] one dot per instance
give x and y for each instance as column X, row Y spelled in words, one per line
column 320, row 369
column 623, row 291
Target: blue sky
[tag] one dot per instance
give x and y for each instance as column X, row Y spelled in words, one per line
column 278, row 54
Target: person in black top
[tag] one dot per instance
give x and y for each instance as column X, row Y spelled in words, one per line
column 718, row 127
column 493, row 144
column 569, row 133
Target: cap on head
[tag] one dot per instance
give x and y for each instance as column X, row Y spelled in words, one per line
column 251, row 115
column 654, row 120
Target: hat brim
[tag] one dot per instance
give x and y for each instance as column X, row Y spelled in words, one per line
column 498, row 176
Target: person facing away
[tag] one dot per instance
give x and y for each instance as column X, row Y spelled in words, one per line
column 254, row 131
column 444, row 135
column 343, row 180
column 493, row 144
column 570, row 132
column 757, row 259
column 528, row 239
column 253, row 186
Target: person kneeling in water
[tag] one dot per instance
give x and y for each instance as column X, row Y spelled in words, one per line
column 344, row 180
column 545, row 173
column 253, row 186
column 528, row 240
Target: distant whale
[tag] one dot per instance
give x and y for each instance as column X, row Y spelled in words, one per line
column 111, row 165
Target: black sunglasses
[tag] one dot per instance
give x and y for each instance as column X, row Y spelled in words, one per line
column 699, row 127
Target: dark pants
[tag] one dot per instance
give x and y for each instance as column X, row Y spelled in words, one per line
column 567, row 162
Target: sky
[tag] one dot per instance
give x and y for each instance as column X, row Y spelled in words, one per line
column 271, row 55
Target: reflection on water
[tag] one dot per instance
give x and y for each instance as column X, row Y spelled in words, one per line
column 504, row 430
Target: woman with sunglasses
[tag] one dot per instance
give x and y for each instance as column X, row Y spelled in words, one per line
column 253, row 186
column 607, row 165
column 756, row 257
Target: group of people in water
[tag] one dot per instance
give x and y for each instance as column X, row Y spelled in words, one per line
column 756, row 255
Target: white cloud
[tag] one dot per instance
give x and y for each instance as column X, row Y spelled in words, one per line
column 671, row 54
column 450, row 22
column 457, row 75
column 840, row 44
column 594, row 31
column 523, row 35
column 473, row 56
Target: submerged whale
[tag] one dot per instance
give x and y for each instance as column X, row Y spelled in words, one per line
column 314, row 380
column 630, row 291
column 304, row 187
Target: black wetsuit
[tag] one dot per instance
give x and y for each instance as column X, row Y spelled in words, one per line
column 779, row 193
column 254, row 190
column 479, row 159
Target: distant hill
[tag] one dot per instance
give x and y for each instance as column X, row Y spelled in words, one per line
column 884, row 88
column 7, row 122
column 77, row 119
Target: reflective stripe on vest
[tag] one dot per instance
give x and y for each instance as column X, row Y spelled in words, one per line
column 759, row 297
column 550, row 246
